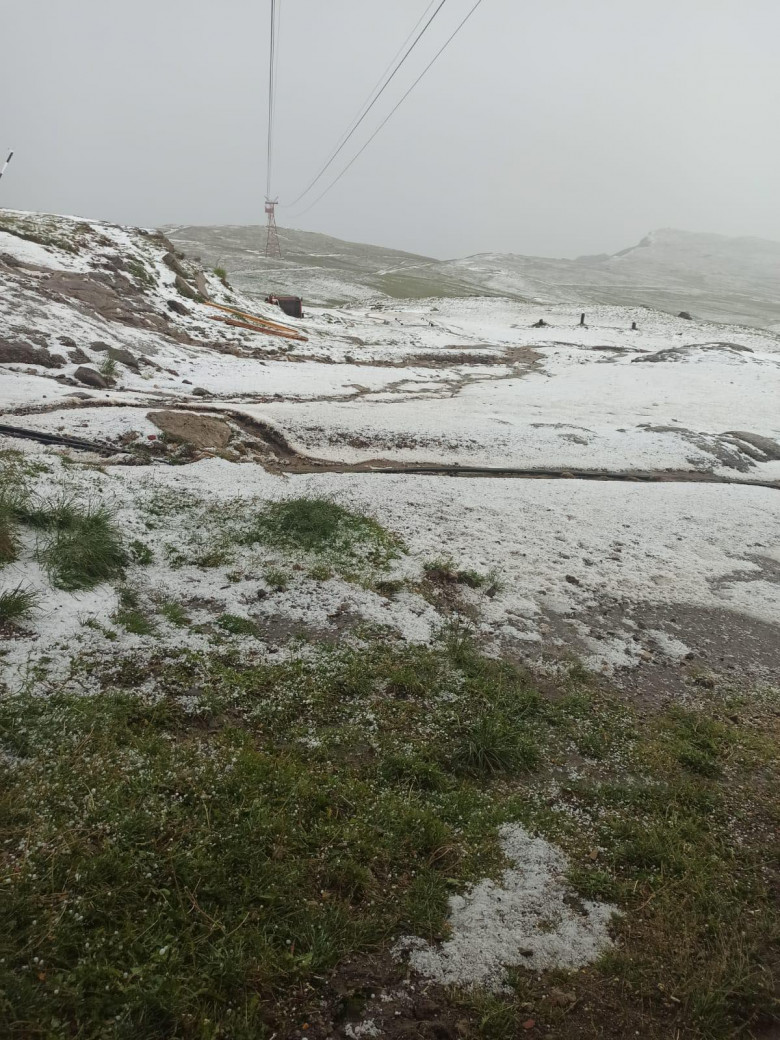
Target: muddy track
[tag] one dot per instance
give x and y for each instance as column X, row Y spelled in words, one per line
column 287, row 460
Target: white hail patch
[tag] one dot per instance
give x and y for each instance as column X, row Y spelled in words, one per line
column 522, row 920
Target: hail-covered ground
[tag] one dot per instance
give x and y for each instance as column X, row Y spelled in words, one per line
column 500, row 564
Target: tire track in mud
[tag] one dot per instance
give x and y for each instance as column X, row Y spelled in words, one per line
column 284, row 459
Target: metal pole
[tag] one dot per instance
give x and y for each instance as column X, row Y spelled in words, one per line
column 5, row 164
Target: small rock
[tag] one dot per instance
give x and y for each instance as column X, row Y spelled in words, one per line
column 686, row 315
column 78, row 356
column 177, row 307
column 572, row 580
column 199, row 391
column 562, row 997
column 705, row 681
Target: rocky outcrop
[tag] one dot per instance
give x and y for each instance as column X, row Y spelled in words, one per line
column 12, row 352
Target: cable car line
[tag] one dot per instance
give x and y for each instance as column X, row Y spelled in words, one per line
column 350, row 133
column 272, row 70
column 392, row 112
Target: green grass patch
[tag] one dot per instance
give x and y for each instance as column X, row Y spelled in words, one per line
column 132, row 615
column 84, row 549
column 9, row 543
column 276, row 578
column 17, row 604
column 237, row 625
column 199, row 862
column 174, row 612
column 322, row 527
column 140, row 552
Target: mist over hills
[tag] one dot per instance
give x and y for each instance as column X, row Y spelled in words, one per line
column 714, row 277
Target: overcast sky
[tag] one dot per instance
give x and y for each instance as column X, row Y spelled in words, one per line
column 554, row 127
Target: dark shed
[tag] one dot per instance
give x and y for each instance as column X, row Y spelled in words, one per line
column 292, row 305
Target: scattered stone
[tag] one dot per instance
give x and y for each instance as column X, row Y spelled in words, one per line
column 91, row 377
column 686, row 315
column 201, row 431
column 572, row 580
column 78, row 356
column 177, row 307
column 66, row 341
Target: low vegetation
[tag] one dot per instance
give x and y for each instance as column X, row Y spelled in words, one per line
column 17, row 604
column 200, row 862
column 141, row 273
column 108, row 368
column 198, row 847
column 84, row 547
column 323, row 527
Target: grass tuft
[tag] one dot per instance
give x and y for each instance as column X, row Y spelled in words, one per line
column 495, row 744
column 108, row 368
column 85, row 548
column 17, row 604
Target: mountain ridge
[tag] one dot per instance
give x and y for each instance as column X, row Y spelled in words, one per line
column 712, row 276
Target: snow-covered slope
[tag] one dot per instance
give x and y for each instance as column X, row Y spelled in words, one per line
column 734, row 280
column 471, row 385
column 711, row 276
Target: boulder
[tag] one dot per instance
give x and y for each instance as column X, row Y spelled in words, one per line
column 200, row 391
column 15, row 353
column 184, row 287
column 686, row 315
column 170, row 261
column 201, row 431
column 91, row 377
column 177, row 308
column 124, row 357
column 79, row 357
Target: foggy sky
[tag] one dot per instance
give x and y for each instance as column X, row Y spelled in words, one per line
column 554, row 127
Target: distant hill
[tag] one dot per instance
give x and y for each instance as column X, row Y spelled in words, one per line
column 712, row 276
column 328, row 271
